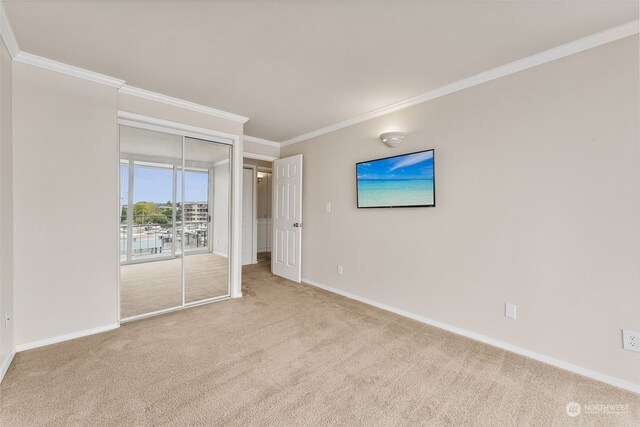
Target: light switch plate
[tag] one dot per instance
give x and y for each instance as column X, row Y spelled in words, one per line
column 631, row 340
column 510, row 310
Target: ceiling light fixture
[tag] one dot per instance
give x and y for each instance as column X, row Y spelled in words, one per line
column 392, row 139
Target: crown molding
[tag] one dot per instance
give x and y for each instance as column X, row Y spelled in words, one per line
column 261, row 141
column 257, row 156
column 153, row 96
column 70, row 70
column 49, row 64
column 610, row 35
column 168, row 126
column 598, row 39
column 7, row 33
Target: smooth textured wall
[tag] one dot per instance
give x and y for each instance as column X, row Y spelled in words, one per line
column 6, row 208
column 65, row 166
column 538, row 204
column 65, row 161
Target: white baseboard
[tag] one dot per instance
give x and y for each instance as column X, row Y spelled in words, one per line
column 67, row 337
column 6, row 363
column 617, row 382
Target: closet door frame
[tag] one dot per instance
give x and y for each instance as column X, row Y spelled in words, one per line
column 235, row 204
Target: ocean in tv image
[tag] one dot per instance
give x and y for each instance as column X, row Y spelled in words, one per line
column 405, row 180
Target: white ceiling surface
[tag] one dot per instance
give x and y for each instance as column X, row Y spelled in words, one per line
column 297, row 66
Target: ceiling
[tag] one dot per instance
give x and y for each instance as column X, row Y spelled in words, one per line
column 297, row 66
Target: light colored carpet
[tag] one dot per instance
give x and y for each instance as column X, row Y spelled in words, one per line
column 155, row 285
column 290, row 354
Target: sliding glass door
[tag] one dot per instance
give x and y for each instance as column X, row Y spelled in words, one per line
column 174, row 223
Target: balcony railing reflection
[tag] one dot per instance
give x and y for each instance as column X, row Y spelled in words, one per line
column 150, row 240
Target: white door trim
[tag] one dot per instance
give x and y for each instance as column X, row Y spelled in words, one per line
column 254, row 222
column 176, row 128
column 255, row 214
column 236, row 218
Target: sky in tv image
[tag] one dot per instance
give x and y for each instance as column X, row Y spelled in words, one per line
column 397, row 181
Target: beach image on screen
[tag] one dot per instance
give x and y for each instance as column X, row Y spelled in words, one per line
column 405, row 180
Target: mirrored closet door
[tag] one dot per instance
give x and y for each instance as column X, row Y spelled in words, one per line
column 207, row 195
column 174, row 221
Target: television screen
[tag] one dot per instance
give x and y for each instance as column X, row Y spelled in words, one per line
column 400, row 181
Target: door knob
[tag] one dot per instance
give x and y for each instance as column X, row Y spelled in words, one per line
column 297, row 224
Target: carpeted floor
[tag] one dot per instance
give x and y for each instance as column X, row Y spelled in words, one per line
column 155, row 285
column 290, row 354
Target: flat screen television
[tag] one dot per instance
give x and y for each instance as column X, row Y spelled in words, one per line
column 404, row 181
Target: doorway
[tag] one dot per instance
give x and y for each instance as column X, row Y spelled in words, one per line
column 256, row 211
column 264, row 220
column 174, row 221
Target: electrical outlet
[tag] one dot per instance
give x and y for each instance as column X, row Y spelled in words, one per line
column 510, row 310
column 327, row 207
column 631, row 340
column 339, row 269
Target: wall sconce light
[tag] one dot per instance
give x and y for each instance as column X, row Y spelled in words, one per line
column 393, row 139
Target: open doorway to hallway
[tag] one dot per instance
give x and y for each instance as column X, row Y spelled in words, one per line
column 257, row 222
column 264, row 216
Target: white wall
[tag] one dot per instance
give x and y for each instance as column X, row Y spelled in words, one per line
column 538, row 204
column 65, row 160
column 65, row 199
column 6, row 209
column 221, row 209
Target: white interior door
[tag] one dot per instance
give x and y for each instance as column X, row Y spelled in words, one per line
column 247, row 216
column 287, row 218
